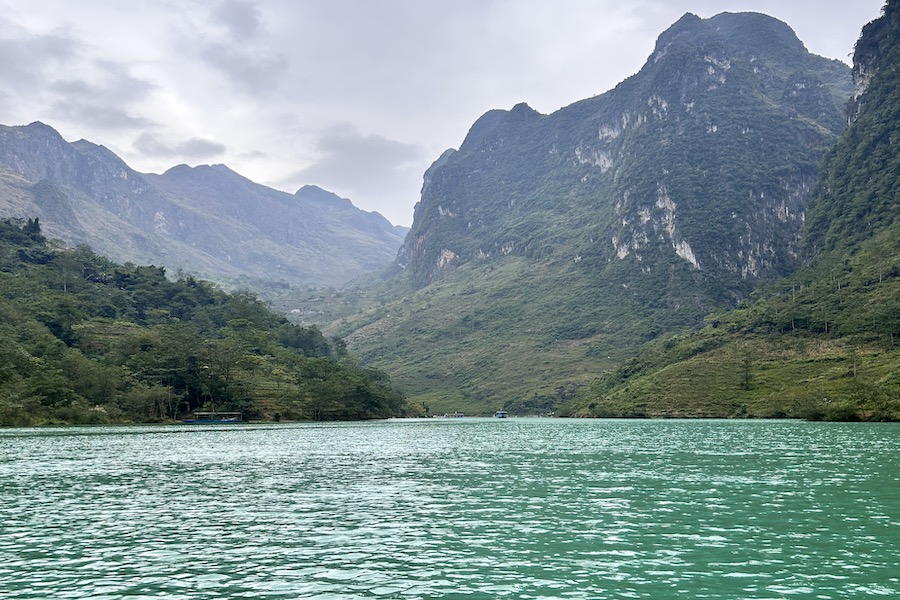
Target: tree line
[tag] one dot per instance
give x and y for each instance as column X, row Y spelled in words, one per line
column 86, row 340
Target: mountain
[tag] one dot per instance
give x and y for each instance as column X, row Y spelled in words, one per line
column 548, row 247
column 207, row 221
column 823, row 343
column 706, row 155
column 858, row 195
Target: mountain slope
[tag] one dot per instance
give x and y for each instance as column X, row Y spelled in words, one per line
column 208, row 221
column 860, row 192
column 557, row 243
column 84, row 340
column 823, row 343
column 716, row 138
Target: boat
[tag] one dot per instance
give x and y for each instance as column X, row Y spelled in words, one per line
column 501, row 414
column 210, row 418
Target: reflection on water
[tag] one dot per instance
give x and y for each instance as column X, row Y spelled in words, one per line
column 516, row 508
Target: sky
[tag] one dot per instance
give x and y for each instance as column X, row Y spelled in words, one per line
column 356, row 96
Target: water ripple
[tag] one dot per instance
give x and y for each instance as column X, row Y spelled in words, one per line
column 464, row 508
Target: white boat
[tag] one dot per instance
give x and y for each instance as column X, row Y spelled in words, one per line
column 452, row 415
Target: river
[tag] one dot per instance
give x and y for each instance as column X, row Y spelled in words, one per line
column 452, row 508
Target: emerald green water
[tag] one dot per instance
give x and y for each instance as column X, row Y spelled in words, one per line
column 457, row 508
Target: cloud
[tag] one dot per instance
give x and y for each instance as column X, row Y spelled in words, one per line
column 238, row 47
column 254, row 155
column 192, row 149
column 111, row 80
column 98, row 116
column 251, row 71
column 370, row 164
column 28, row 58
column 241, row 19
column 375, row 172
column 101, row 97
column 50, row 76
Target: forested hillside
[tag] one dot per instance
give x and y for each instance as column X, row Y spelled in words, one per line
column 823, row 343
column 85, row 340
column 549, row 248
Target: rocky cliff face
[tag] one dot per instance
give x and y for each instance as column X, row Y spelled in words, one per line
column 873, row 50
column 207, row 221
column 699, row 166
column 844, row 302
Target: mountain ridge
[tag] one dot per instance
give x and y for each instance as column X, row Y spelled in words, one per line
column 821, row 343
column 550, row 246
column 487, row 134
column 207, row 221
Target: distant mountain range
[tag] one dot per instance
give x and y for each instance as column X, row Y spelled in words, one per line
column 207, row 221
column 548, row 248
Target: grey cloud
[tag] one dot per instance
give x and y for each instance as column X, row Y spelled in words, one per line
column 254, row 155
column 243, row 53
column 119, row 85
column 27, row 57
column 97, row 115
column 191, row 149
column 113, row 84
column 102, row 101
column 49, row 72
column 345, row 155
column 240, row 18
column 373, row 171
column 250, row 72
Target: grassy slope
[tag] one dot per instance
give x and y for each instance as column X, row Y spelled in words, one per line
column 764, row 376
column 494, row 334
column 824, row 343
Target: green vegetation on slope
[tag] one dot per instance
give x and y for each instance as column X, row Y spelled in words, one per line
column 84, row 340
column 860, row 191
column 513, row 333
column 823, row 343
column 550, row 247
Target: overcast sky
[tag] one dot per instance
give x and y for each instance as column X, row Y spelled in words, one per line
column 356, row 96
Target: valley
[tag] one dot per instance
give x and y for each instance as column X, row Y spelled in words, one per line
column 716, row 236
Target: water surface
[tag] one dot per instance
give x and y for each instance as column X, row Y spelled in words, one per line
column 458, row 508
